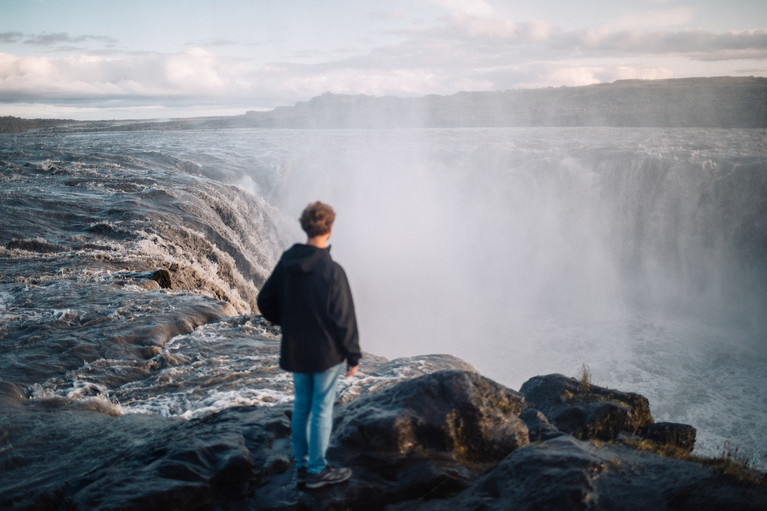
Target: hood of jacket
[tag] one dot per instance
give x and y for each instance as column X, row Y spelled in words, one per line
column 302, row 258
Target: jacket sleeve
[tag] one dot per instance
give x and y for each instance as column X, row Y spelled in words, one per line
column 344, row 319
column 268, row 300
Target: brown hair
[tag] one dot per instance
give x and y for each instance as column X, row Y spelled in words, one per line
column 317, row 219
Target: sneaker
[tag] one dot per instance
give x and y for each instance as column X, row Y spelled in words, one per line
column 329, row 475
column 301, row 476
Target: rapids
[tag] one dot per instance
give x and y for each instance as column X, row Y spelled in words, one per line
column 639, row 253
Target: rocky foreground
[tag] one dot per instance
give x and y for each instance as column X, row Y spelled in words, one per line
column 431, row 439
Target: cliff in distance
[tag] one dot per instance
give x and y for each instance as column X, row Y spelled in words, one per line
column 720, row 102
column 694, row 102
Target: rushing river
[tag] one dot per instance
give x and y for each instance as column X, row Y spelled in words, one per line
column 639, row 253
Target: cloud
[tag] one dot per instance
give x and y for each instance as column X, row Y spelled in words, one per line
column 62, row 38
column 698, row 44
column 194, row 73
column 575, row 74
column 567, row 72
column 493, row 39
column 472, row 48
column 468, row 7
column 387, row 16
column 655, row 18
column 473, row 27
column 10, row 37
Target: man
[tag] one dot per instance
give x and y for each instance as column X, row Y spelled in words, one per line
column 308, row 295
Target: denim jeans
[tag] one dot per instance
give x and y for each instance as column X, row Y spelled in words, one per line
column 313, row 416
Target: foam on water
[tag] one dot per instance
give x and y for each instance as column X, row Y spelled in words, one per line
column 639, row 253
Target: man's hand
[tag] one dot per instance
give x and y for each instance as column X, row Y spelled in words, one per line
column 351, row 371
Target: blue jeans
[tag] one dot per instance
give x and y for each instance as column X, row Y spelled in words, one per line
column 312, row 419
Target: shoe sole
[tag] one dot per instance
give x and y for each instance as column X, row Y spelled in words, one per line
column 320, row 484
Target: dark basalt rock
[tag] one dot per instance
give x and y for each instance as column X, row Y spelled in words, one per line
column 129, row 462
column 11, row 395
column 429, row 436
column 538, row 425
column 451, row 439
column 162, row 277
column 681, row 436
column 586, row 411
column 463, row 414
column 39, row 246
column 567, row 474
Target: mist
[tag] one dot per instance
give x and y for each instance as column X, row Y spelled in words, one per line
column 524, row 251
column 527, row 251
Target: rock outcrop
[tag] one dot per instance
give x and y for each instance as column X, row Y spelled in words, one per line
column 565, row 473
column 586, row 411
column 440, row 440
column 460, row 414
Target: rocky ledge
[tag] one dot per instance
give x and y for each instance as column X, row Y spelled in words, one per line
column 448, row 439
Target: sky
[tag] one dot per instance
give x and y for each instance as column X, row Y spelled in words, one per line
column 137, row 59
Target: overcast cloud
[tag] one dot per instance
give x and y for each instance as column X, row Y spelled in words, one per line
column 226, row 57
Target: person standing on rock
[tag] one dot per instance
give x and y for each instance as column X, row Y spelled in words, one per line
column 308, row 295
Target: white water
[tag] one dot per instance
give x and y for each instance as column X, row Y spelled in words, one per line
column 522, row 251
column 527, row 252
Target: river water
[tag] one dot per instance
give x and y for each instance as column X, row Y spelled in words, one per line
column 640, row 254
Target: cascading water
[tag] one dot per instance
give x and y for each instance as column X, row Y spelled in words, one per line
column 526, row 251
column 640, row 253
column 550, row 220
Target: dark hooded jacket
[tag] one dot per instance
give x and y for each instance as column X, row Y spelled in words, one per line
column 308, row 295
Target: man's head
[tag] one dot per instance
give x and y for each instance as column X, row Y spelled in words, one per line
column 317, row 219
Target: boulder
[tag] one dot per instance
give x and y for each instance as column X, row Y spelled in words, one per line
column 449, row 439
column 538, row 426
column 163, row 278
column 681, row 436
column 11, row 395
column 428, row 437
column 587, row 411
column 459, row 413
column 568, row 474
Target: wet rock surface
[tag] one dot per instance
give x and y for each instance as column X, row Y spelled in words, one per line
column 439, row 436
column 457, row 413
column 584, row 410
column 569, row 474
